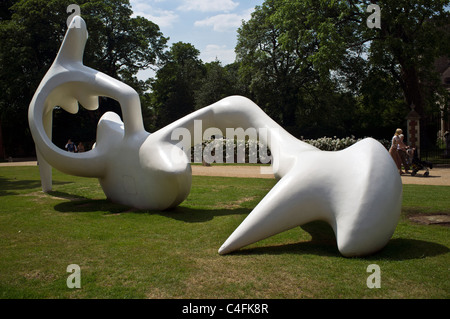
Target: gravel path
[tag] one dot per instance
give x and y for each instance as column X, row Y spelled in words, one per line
column 438, row 176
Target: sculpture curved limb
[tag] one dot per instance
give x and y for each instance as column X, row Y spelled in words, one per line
column 357, row 190
column 346, row 189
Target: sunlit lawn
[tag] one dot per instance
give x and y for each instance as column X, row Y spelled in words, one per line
column 125, row 253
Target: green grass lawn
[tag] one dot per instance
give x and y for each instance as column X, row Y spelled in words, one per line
column 125, row 253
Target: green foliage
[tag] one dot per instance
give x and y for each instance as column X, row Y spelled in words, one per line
column 317, row 65
column 184, row 83
column 313, row 66
column 274, row 74
column 173, row 90
column 218, row 83
column 31, row 32
column 412, row 36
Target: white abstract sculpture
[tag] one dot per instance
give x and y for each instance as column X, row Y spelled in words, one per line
column 357, row 191
column 130, row 163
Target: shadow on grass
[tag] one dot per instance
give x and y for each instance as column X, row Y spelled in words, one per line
column 198, row 215
column 396, row 250
column 63, row 195
column 80, row 204
column 323, row 243
column 405, row 249
column 10, row 186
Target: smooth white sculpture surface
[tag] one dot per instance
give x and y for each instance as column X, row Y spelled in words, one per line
column 347, row 189
column 130, row 163
column 358, row 191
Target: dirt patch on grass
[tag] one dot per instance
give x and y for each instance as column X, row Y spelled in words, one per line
column 435, row 219
column 39, row 275
column 236, row 203
column 156, row 293
column 39, row 195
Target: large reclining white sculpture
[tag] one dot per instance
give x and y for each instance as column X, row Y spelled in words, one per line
column 357, row 191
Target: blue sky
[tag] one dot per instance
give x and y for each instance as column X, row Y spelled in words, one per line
column 210, row 25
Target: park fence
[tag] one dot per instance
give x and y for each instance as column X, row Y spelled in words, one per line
column 435, row 138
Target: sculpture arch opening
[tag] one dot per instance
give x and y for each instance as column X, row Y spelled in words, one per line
column 81, row 126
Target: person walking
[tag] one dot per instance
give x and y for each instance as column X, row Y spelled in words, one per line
column 394, row 150
column 401, row 149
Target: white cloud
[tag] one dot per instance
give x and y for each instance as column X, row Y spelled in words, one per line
column 220, row 52
column 208, row 5
column 163, row 18
column 224, row 22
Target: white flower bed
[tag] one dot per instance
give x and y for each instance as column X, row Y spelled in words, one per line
column 337, row 144
column 251, row 151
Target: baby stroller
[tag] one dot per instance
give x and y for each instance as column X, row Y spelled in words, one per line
column 417, row 164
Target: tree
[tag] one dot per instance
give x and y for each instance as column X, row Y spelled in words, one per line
column 173, row 90
column 279, row 59
column 31, row 32
column 410, row 40
column 310, row 62
column 218, row 83
column 411, row 37
column 272, row 72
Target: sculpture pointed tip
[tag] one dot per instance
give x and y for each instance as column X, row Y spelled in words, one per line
column 72, row 48
column 77, row 22
column 223, row 250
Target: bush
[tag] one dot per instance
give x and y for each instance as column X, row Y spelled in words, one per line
column 255, row 152
column 337, row 144
column 233, row 151
column 332, row 143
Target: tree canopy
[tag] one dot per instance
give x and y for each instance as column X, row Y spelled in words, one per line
column 175, row 83
column 31, row 32
column 299, row 50
column 316, row 67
